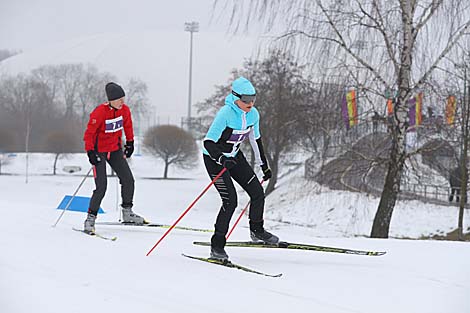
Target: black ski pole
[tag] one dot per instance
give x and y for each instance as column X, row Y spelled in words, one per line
column 71, row 199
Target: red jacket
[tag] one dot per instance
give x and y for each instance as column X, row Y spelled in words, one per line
column 104, row 130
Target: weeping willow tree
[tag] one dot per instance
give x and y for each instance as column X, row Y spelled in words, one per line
column 390, row 47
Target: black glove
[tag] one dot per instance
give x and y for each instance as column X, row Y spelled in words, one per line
column 128, row 148
column 93, row 157
column 267, row 172
column 228, row 163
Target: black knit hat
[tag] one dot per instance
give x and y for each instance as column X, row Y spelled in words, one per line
column 114, row 91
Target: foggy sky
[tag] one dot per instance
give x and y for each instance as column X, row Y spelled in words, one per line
column 158, row 51
column 27, row 23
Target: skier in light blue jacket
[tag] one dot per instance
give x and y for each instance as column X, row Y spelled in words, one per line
column 235, row 122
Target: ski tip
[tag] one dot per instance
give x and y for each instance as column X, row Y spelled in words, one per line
column 94, row 234
column 378, row 253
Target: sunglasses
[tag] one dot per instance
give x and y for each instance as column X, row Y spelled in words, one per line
column 245, row 98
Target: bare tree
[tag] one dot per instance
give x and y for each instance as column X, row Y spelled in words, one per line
column 460, row 86
column 19, row 95
column 52, row 93
column 283, row 94
column 407, row 40
column 136, row 97
column 173, row 145
column 91, row 91
column 4, row 160
column 48, row 75
column 6, row 139
column 6, row 142
column 74, row 88
column 61, row 143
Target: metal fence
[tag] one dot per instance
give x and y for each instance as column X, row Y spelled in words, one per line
column 431, row 192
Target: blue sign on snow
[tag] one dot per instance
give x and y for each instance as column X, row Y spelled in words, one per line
column 79, row 204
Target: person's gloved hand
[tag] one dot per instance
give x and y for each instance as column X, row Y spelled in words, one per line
column 266, row 171
column 93, row 157
column 128, row 148
column 228, row 163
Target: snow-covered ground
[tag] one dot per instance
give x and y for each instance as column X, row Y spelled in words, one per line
column 45, row 269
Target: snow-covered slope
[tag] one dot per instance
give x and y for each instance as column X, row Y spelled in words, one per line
column 45, row 269
column 327, row 213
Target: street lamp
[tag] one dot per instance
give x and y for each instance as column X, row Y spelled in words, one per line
column 191, row 27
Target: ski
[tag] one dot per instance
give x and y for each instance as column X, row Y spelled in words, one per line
column 155, row 225
column 95, row 234
column 296, row 246
column 227, row 263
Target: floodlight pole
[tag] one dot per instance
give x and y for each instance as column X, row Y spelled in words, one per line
column 191, row 27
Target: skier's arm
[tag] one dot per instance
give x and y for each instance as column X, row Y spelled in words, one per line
column 257, row 144
column 91, row 131
column 214, row 151
column 258, row 149
column 128, row 127
column 213, row 135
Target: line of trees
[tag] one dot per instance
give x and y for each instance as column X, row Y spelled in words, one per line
column 47, row 109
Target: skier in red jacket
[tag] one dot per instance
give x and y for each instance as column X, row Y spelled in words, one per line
column 103, row 144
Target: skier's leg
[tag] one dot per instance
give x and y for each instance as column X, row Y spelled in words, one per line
column 126, row 179
column 228, row 194
column 99, row 173
column 247, row 179
column 101, row 182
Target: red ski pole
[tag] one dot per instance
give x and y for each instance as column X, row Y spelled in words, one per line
column 187, row 210
column 240, row 216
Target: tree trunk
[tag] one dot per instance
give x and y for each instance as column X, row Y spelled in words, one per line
column 165, row 172
column 55, row 163
column 383, row 217
column 463, row 160
column 28, row 131
column 463, row 194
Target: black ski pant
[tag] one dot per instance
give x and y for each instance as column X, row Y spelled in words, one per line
column 119, row 165
column 244, row 175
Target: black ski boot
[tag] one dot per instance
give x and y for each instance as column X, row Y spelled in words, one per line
column 217, row 248
column 258, row 233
